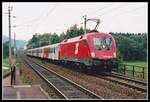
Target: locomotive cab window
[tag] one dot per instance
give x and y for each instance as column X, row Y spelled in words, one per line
column 102, row 43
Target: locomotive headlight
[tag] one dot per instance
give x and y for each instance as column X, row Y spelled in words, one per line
column 92, row 54
column 114, row 54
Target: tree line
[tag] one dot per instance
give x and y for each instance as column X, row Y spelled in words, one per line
column 6, row 50
column 130, row 46
column 39, row 40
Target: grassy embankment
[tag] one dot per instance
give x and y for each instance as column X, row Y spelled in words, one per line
column 137, row 70
column 5, row 67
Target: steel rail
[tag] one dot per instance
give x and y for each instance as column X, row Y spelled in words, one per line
column 82, row 89
column 124, row 82
column 58, row 92
column 129, row 79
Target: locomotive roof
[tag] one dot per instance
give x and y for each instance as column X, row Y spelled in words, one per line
column 83, row 37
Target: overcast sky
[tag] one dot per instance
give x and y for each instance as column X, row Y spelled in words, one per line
column 38, row 17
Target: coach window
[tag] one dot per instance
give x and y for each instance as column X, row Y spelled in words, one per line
column 51, row 50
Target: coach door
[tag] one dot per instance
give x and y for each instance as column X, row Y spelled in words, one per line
column 56, row 51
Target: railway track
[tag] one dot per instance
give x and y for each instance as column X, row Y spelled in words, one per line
column 65, row 88
column 130, row 79
column 128, row 82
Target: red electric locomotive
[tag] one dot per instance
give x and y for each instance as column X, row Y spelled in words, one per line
column 95, row 50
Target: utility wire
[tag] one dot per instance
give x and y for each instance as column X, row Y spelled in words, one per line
column 26, row 22
column 35, row 19
column 100, row 9
column 105, row 8
column 114, row 9
column 126, row 12
column 129, row 11
column 50, row 11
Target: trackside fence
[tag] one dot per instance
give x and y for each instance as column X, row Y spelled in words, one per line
column 132, row 71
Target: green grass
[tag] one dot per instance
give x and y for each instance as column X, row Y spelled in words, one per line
column 137, row 70
column 6, row 62
column 137, row 63
column 6, row 72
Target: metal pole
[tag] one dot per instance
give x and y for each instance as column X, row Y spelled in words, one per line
column 14, row 44
column 143, row 72
column 84, row 24
column 10, row 61
column 9, row 19
column 124, row 69
column 133, row 71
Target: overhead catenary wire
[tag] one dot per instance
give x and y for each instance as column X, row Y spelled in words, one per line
column 88, row 13
column 47, row 14
column 38, row 21
column 122, row 13
column 118, row 7
column 28, row 22
column 96, row 11
column 109, row 5
column 128, row 11
column 34, row 21
column 80, row 23
column 114, row 9
column 123, row 5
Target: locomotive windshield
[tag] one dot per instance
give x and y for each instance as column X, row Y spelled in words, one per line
column 102, row 43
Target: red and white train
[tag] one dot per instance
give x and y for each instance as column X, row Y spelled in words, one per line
column 94, row 50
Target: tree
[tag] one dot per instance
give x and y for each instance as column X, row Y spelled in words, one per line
column 6, row 49
column 62, row 36
column 55, row 39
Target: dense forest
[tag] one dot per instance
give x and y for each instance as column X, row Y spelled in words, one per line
column 130, row 46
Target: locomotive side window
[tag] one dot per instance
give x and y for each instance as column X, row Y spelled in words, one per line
column 85, row 43
column 102, row 43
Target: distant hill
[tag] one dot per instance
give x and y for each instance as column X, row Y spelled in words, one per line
column 19, row 43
